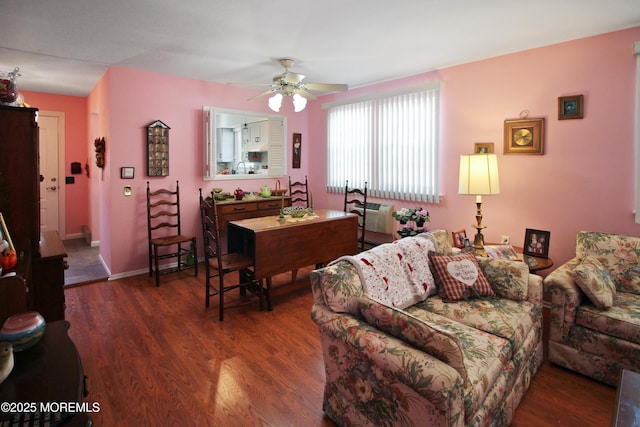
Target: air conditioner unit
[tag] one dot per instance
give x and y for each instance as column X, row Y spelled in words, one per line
column 379, row 217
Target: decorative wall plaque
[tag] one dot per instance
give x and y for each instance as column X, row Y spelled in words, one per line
column 158, row 149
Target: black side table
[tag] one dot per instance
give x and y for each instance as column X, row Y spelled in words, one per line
column 50, row 371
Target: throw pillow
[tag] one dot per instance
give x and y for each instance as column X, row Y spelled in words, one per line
column 595, row 281
column 459, row 276
column 508, row 279
column 419, row 333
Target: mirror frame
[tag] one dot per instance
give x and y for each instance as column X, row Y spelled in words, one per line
column 279, row 168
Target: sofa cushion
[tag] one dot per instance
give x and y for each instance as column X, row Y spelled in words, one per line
column 416, row 331
column 620, row 255
column 595, row 281
column 484, row 355
column 511, row 320
column 508, row 279
column 622, row 320
column 459, row 276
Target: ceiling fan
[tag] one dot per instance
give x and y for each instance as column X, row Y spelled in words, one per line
column 291, row 84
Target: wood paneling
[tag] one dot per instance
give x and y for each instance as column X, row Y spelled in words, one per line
column 156, row 356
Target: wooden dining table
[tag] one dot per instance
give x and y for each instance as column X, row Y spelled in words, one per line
column 278, row 246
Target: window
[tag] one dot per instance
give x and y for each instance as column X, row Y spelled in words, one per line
column 390, row 141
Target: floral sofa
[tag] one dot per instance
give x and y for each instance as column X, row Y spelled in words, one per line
column 403, row 348
column 595, row 307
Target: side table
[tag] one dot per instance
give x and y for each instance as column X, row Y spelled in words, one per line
column 535, row 263
column 50, row 371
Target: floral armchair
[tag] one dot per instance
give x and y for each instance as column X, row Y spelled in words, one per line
column 595, row 307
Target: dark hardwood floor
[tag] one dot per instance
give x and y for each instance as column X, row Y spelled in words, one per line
column 154, row 356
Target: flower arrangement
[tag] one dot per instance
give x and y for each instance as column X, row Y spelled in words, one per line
column 412, row 220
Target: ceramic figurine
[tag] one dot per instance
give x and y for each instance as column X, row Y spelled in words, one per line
column 6, row 360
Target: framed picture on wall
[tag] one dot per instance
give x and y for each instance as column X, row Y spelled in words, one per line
column 483, row 148
column 524, row 136
column 536, row 243
column 570, row 107
column 127, row 172
column 297, row 150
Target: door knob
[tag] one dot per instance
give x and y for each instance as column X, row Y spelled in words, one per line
column 54, row 188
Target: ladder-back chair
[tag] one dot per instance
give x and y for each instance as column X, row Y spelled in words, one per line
column 218, row 264
column 355, row 201
column 299, row 192
column 164, row 233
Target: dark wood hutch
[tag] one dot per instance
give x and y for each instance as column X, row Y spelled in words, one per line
column 38, row 284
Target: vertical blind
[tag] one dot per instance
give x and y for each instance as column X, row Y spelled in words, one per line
column 390, row 142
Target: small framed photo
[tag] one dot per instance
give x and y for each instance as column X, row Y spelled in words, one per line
column 483, row 147
column 127, row 173
column 570, row 107
column 459, row 238
column 524, row 136
column 536, row 243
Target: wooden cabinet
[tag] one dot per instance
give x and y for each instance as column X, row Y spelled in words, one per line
column 41, row 264
column 19, row 174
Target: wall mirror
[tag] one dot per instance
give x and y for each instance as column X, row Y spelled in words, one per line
column 243, row 144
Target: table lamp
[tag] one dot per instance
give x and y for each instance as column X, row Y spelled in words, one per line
column 479, row 176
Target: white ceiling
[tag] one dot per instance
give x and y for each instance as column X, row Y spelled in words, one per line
column 65, row 46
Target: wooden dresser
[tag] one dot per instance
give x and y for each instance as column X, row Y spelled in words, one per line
column 40, row 270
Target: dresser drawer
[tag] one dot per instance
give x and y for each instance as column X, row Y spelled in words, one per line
column 273, row 204
column 236, row 208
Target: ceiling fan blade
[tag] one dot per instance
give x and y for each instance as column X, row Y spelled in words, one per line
column 328, row 87
column 304, row 93
column 261, row 94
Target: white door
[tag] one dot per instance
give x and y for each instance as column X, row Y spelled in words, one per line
column 50, row 185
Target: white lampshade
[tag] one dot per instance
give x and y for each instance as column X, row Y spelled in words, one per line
column 299, row 102
column 479, row 174
column 275, row 102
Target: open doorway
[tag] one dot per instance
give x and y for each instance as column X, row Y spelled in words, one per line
column 83, row 260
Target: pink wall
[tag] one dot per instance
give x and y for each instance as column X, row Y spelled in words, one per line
column 135, row 99
column 585, row 179
column 74, row 109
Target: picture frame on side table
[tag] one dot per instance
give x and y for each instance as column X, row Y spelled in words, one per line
column 570, row 107
column 524, row 136
column 459, row 236
column 536, row 243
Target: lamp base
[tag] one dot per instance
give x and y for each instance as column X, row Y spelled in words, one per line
column 478, row 241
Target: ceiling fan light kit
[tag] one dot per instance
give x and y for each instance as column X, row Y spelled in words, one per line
column 290, row 84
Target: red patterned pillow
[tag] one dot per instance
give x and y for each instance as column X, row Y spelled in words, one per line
column 459, row 276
